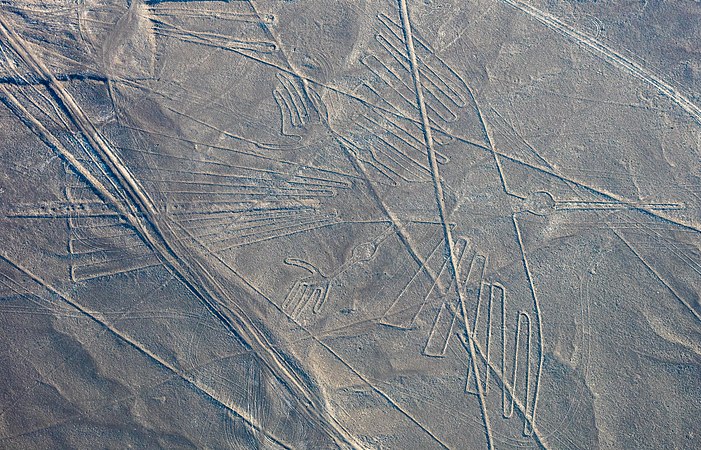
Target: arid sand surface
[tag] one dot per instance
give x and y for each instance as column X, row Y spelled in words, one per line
column 354, row 224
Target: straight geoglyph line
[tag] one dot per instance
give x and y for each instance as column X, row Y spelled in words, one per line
column 440, row 200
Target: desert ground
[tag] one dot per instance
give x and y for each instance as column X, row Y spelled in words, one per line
column 350, row 224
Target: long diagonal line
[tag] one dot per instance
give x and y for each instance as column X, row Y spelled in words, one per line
column 607, row 53
column 257, row 292
column 440, row 200
column 307, row 80
column 399, row 227
column 141, row 348
column 142, row 214
column 536, row 304
column 549, row 171
column 552, row 22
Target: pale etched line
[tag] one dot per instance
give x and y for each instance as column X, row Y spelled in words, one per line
column 328, row 348
column 406, row 22
column 115, row 242
column 93, row 250
column 657, row 275
column 255, row 188
column 422, row 267
column 474, row 287
column 84, row 272
column 242, row 194
column 288, row 230
column 208, row 13
column 66, row 213
column 527, row 431
column 209, row 219
column 431, row 344
column 395, row 153
column 247, row 222
column 503, row 353
column 437, row 342
column 608, row 205
column 263, row 182
column 242, row 152
column 141, row 348
column 215, row 40
column 515, row 374
column 489, row 334
column 612, row 55
column 531, row 423
column 159, row 235
column 658, row 213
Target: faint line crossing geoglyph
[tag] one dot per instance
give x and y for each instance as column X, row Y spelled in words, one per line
column 440, row 200
column 407, row 104
column 443, row 326
column 137, row 208
column 504, row 331
column 314, row 288
column 402, row 312
column 297, row 110
column 386, row 139
column 228, row 206
column 101, row 246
